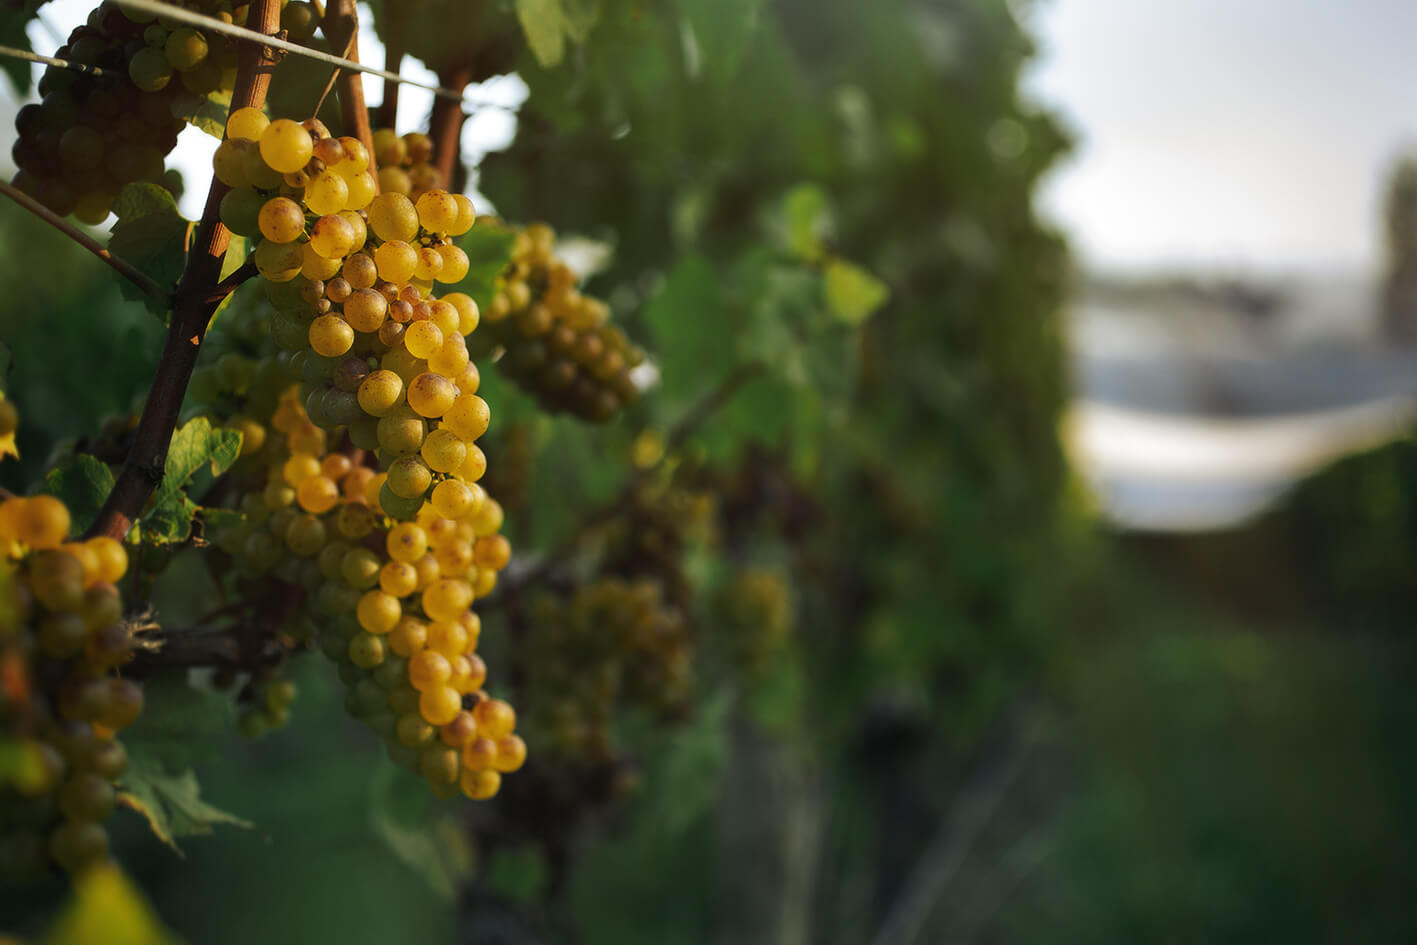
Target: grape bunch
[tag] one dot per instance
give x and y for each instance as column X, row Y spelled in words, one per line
column 559, row 344
column 389, row 602
column 754, row 618
column 405, row 163
column 364, row 489
column 63, row 643
column 91, row 134
column 609, row 647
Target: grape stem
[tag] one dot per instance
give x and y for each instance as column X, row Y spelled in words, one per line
column 446, row 123
column 125, row 269
column 388, row 111
column 199, row 292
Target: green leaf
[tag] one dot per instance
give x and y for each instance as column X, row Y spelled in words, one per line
column 806, row 221
column 171, row 804
column 694, row 328
column 107, row 907
column 853, row 294
column 207, row 112
column 83, row 483
column 488, row 247
column 181, row 724
column 545, row 26
column 151, row 235
column 194, row 446
column 581, row 16
column 723, row 30
column 12, row 33
column 407, row 821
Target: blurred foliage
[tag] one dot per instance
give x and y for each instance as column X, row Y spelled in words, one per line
column 829, row 205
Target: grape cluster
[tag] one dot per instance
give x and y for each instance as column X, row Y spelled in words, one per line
column 367, row 364
column 390, row 602
column 63, row 641
column 618, row 646
column 91, row 134
column 559, row 343
column 754, row 617
column 405, row 163
column 265, row 705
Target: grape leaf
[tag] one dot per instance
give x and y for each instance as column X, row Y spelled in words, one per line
column 408, row 824
column 151, row 235
column 13, row 20
column 195, row 445
column 545, row 26
column 853, row 294
column 107, row 907
column 171, row 804
column 207, row 112
column 181, row 724
column 694, row 328
column 83, row 483
column 805, row 221
column 722, row 30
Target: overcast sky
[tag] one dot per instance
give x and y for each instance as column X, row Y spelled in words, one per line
column 1246, row 133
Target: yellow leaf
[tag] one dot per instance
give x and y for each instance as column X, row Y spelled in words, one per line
column 107, row 909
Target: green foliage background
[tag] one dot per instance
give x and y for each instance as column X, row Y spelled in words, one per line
column 839, row 195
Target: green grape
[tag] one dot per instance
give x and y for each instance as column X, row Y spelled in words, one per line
column 393, row 217
column 150, row 70
column 431, row 395
column 327, row 193
column 366, row 651
column 77, row 844
column 87, row 797
column 422, row 338
column 437, row 211
column 281, row 220
column 186, row 49
column 285, row 146
column 332, row 236
column 409, row 477
column 331, row 336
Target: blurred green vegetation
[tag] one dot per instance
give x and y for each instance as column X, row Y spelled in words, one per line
column 1208, row 733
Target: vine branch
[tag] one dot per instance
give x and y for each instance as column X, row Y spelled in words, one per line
column 341, row 28
column 125, row 269
column 446, row 123
column 199, row 292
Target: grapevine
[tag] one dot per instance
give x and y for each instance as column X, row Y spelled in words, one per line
column 424, row 462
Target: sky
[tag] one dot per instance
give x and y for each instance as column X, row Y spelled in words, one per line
column 1246, row 134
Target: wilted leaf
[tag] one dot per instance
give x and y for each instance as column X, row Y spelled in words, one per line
column 83, row 483
column 151, row 235
column 853, row 294
column 171, row 804
column 107, row 909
